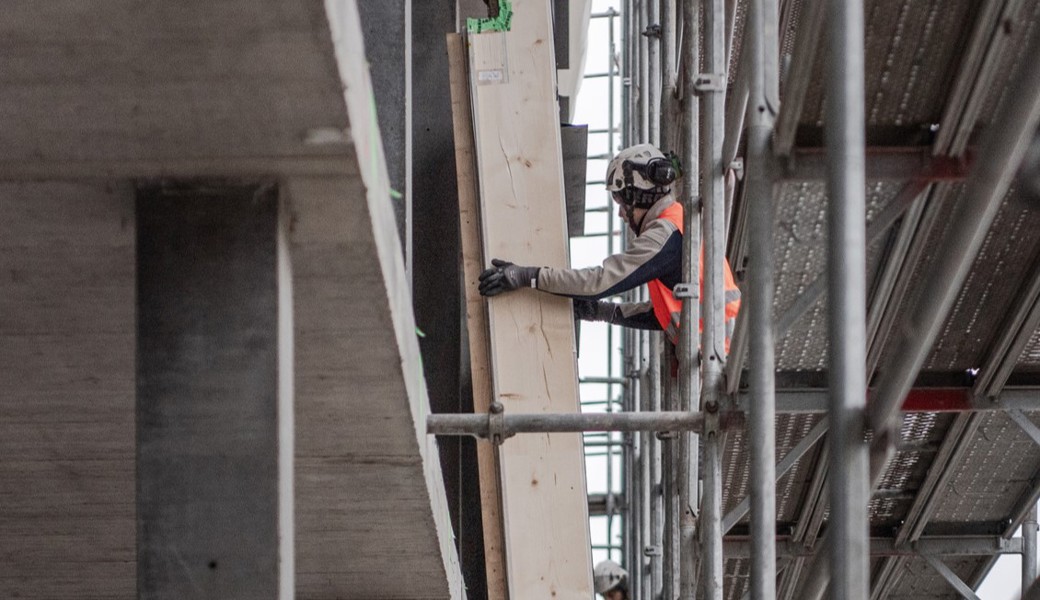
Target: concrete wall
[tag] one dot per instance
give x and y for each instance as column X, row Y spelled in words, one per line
column 225, row 91
column 67, row 525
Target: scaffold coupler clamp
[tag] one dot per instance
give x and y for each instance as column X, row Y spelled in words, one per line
column 664, row 436
column 737, row 166
column 684, row 290
column 712, row 423
column 709, row 83
column 652, row 551
column 653, row 31
column 496, row 432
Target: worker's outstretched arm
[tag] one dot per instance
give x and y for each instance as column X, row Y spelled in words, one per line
column 637, row 315
column 654, row 254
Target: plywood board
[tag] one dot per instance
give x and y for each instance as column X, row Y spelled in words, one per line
column 516, row 124
column 476, row 315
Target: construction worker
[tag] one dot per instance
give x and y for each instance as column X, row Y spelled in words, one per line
column 610, row 580
column 640, row 179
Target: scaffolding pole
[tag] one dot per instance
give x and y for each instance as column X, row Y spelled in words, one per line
column 657, row 521
column 652, row 33
column 650, row 342
column 635, row 500
column 1029, row 549
column 502, row 425
column 762, row 104
column 669, row 482
column 689, row 373
column 669, row 101
column 846, row 181
column 637, row 514
column 611, row 506
column 642, row 74
column 665, row 138
column 711, row 87
column 640, row 375
column 629, row 74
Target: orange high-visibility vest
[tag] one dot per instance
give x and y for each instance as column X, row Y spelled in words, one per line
column 668, row 309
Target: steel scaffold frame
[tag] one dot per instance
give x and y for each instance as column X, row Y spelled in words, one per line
column 674, row 535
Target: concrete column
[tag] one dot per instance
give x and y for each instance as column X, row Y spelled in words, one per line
column 213, row 386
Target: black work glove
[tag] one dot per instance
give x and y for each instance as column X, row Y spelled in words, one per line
column 504, row 276
column 593, row 310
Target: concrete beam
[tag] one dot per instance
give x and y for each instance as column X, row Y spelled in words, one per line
column 104, row 170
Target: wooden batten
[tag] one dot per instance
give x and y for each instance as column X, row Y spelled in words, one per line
column 476, row 315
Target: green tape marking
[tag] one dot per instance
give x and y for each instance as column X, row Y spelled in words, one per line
column 502, row 22
column 419, row 332
column 396, row 195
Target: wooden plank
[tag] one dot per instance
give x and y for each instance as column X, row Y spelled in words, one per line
column 476, row 316
column 516, row 123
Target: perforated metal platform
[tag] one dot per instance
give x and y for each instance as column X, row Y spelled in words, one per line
column 938, row 73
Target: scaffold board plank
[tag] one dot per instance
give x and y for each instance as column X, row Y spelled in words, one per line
column 520, row 173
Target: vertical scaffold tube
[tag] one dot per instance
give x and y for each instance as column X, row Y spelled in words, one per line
column 630, row 74
column 713, row 348
column 689, row 371
column 761, row 38
column 653, row 353
column 611, row 504
column 1029, row 550
column 653, row 57
column 846, row 269
column 643, row 73
column 645, row 490
column 663, row 138
column 632, row 448
column 669, row 102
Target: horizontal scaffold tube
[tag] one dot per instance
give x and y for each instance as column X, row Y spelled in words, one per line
column 482, row 425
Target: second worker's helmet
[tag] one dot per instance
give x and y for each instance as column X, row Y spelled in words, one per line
column 609, row 576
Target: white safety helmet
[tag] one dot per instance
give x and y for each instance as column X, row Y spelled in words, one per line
column 639, row 174
column 639, row 154
column 609, row 576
